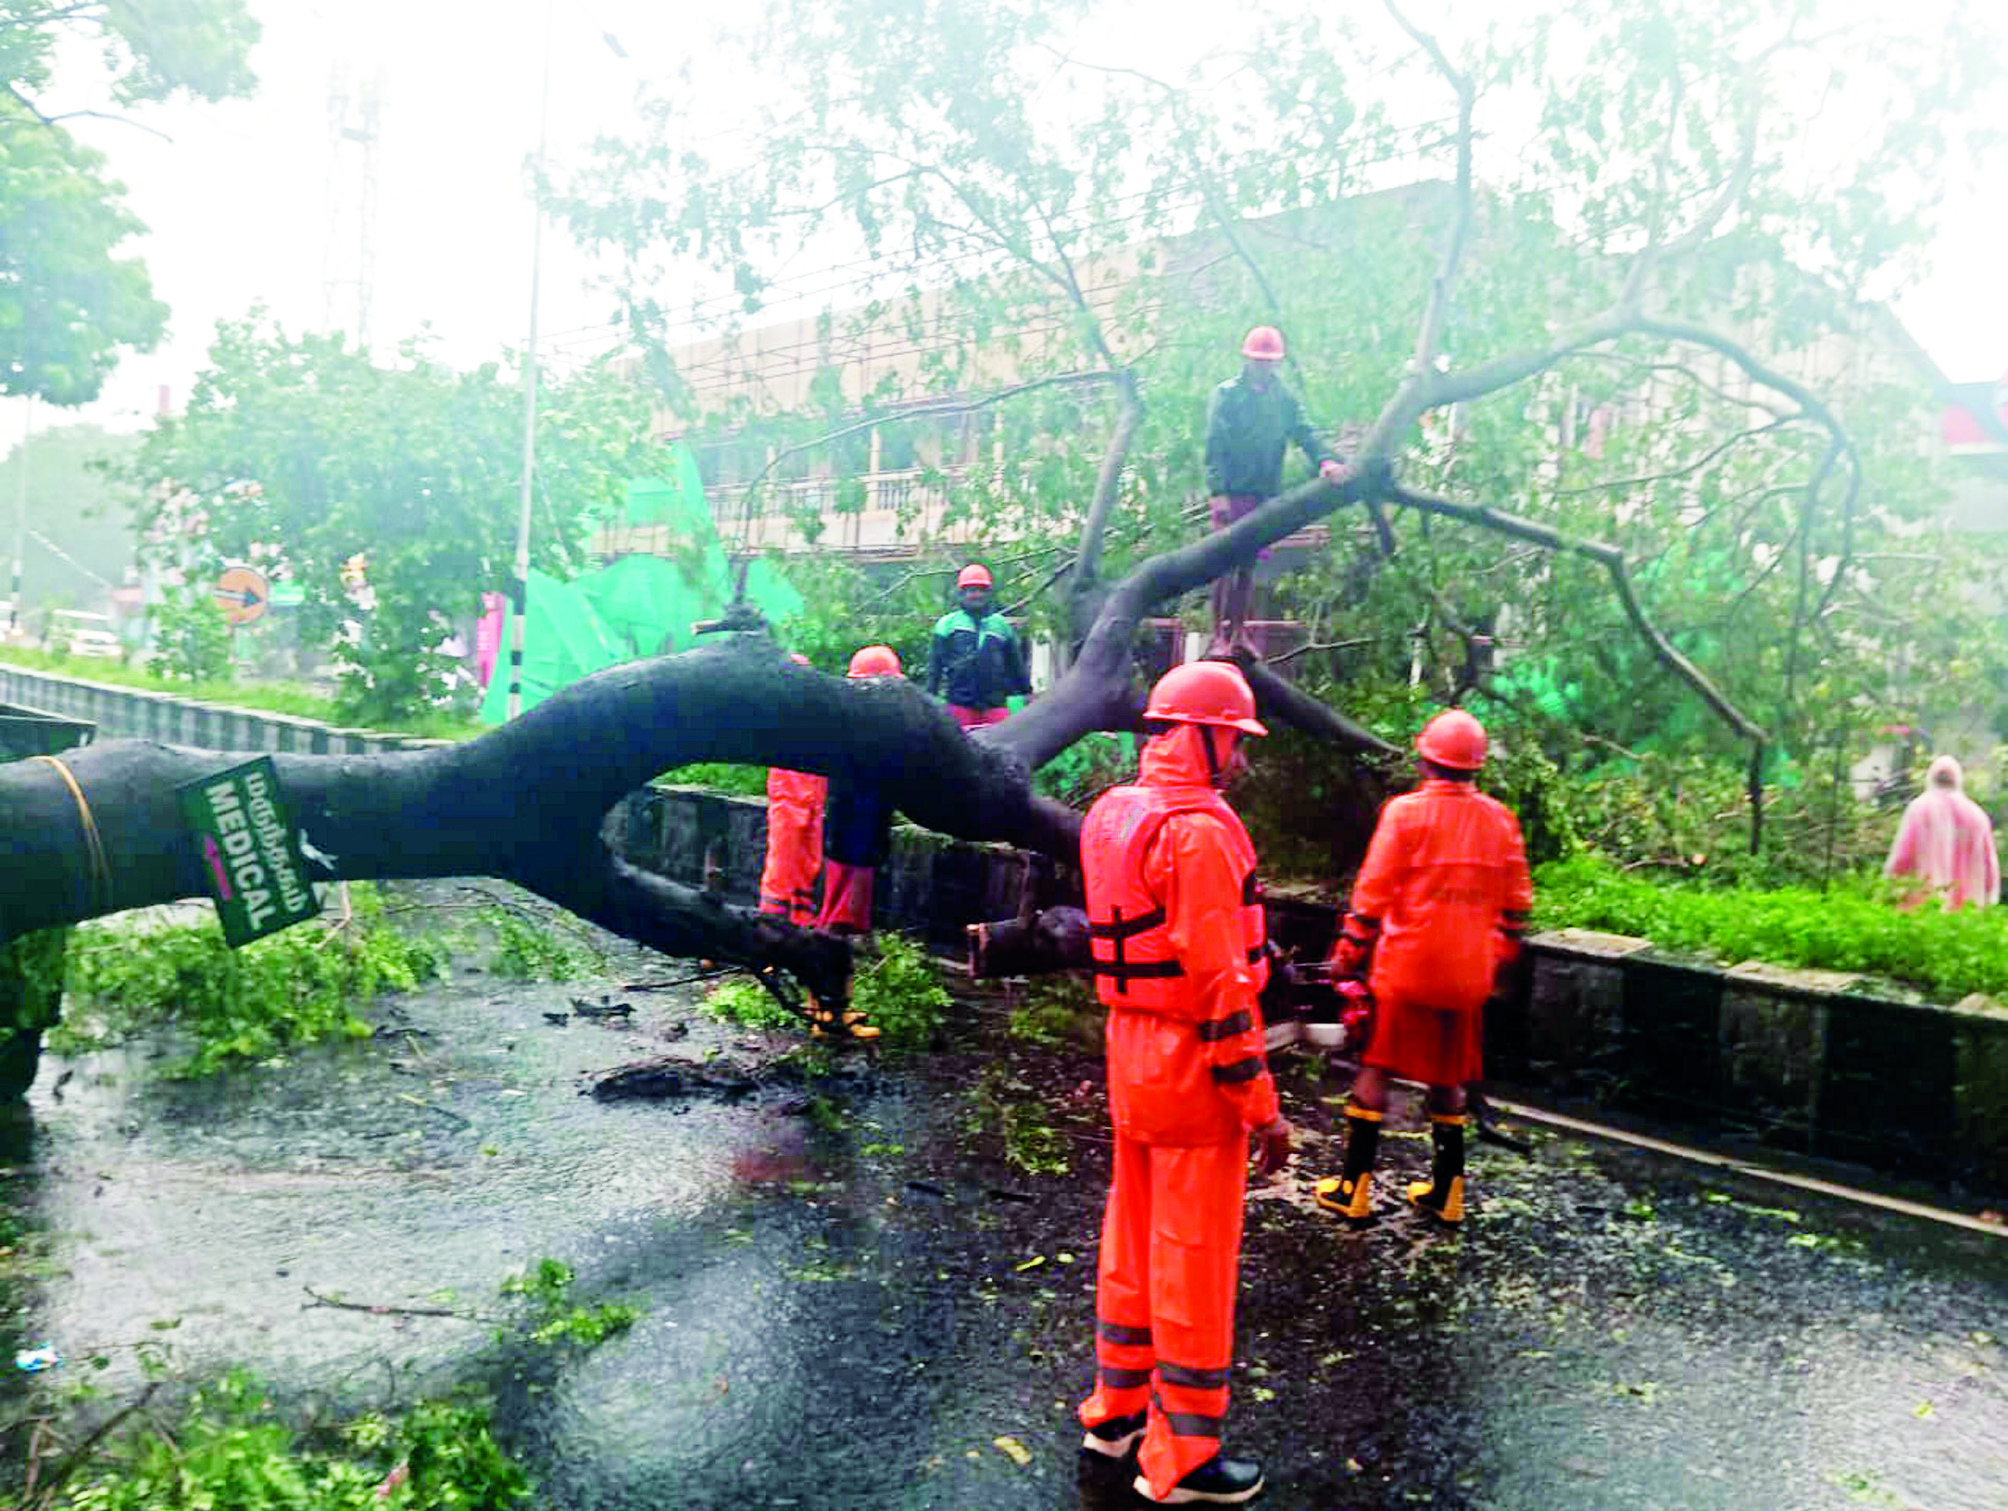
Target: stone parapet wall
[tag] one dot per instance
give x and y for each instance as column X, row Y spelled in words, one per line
column 1805, row 1063
column 125, row 713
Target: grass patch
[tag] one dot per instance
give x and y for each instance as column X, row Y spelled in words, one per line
column 296, row 699
column 1852, row 927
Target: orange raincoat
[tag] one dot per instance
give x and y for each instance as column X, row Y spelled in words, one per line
column 1440, row 904
column 1187, row 1079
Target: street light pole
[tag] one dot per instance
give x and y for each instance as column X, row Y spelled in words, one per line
column 20, row 508
column 520, row 590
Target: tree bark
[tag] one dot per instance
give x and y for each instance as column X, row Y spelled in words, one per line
column 527, row 802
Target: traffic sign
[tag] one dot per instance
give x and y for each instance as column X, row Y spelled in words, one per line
column 242, row 593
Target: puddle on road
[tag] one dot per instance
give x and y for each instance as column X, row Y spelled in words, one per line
column 829, row 1326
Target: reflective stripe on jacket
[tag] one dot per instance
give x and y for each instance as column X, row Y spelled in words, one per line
column 1445, row 887
column 1135, row 965
column 1186, row 1064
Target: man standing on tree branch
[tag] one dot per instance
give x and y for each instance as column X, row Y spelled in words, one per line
column 1175, row 924
column 1435, row 916
column 975, row 657
column 1250, row 421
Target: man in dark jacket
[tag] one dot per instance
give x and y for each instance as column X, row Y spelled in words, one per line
column 975, row 657
column 1250, row 421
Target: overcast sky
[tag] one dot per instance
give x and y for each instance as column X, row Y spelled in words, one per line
column 261, row 199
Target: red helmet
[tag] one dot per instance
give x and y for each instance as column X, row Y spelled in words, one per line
column 1264, row 344
column 1205, row 692
column 1453, row 739
column 975, row 575
column 875, row 661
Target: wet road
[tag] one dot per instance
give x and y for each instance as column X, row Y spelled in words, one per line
column 851, row 1310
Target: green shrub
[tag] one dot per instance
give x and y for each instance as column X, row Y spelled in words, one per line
column 231, row 1452
column 897, row 986
column 1057, row 1010
column 1086, row 769
column 720, row 776
column 745, row 1001
column 535, row 949
column 284, row 991
column 1853, row 926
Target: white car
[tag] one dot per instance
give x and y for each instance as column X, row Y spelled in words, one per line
column 100, row 645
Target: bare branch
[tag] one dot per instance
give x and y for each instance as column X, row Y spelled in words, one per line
column 1634, row 364
column 1613, row 562
column 1453, row 252
column 1107, row 480
column 1689, row 470
column 1312, row 647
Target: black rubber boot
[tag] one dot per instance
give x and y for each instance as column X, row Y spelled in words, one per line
column 1350, row 1193
column 1442, row 1195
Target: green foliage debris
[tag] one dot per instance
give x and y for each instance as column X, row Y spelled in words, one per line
column 897, row 986
column 283, row 992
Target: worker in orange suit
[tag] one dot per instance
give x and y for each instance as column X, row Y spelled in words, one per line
column 794, row 841
column 1436, row 914
column 1175, row 924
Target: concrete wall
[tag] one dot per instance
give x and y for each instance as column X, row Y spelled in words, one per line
column 1803, row 1062
column 1798, row 1062
column 123, row 713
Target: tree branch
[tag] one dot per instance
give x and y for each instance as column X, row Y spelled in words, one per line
column 1613, row 562
column 1431, row 329
column 1689, row 470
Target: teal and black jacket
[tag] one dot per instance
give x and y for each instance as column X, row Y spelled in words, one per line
column 975, row 663
column 1247, row 431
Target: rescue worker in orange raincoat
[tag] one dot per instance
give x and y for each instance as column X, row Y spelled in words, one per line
column 857, row 839
column 1437, row 912
column 794, row 841
column 857, row 826
column 1175, row 924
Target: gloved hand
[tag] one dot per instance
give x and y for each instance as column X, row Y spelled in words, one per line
column 1270, row 1149
column 1349, row 957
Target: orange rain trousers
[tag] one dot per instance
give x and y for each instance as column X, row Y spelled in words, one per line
column 1164, row 1305
column 1436, row 1046
column 794, row 845
column 847, row 897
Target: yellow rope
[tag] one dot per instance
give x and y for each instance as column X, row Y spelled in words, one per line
column 101, row 871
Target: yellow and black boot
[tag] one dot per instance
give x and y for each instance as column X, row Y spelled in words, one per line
column 1350, row 1193
column 1442, row 1195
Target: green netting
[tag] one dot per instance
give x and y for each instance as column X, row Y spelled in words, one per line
column 563, row 640
column 638, row 605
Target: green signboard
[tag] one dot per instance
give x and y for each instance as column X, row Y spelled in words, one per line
column 250, row 854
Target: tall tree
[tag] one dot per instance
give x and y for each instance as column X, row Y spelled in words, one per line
column 80, row 539
column 302, row 452
column 1631, row 293
column 70, row 301
column 1646, row 238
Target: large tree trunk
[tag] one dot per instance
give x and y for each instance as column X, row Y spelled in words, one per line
column 527, row 802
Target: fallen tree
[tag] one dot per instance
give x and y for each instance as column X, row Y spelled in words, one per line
column 528, row 803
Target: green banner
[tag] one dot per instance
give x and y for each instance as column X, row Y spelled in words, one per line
column 250, row 855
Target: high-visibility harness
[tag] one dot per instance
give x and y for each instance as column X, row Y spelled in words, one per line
column 1134, row 965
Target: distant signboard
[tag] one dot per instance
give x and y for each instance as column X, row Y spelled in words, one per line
column 250, row 856
column 242, row 593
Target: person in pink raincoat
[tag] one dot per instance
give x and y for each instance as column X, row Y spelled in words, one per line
column 1946, row 841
